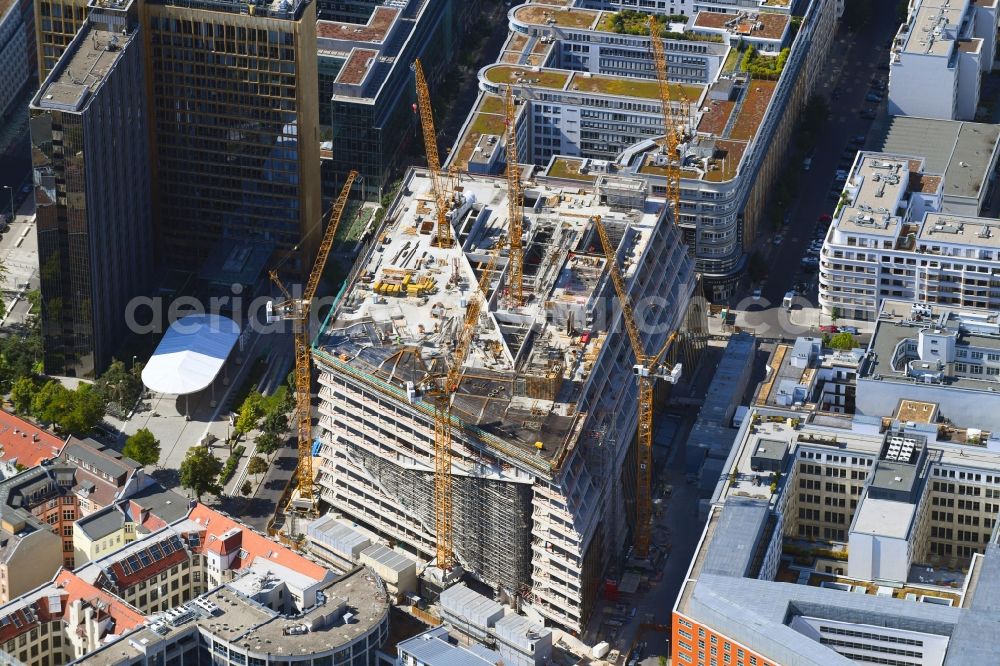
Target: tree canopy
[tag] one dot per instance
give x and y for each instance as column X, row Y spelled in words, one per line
column 143, row 447
column 200, row 471
column 76, row 411
column 842, row 341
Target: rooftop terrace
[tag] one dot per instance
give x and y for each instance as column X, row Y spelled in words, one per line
column 375, row 31
column 751, row 25
column 82, row 70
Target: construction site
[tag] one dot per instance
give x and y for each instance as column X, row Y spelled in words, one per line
column 539, row 489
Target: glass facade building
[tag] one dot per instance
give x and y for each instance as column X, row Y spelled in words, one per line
column 92, row 190
column 234, row 122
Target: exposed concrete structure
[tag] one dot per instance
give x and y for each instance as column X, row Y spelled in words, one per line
column 544, row 416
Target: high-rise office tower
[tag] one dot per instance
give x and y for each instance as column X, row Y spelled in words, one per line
column 235, row 129
column 56, row 23
column 92, row 189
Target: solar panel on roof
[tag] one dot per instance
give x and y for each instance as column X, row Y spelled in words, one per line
column 155, row 552
column 125, row 566
column 133, row 562
column 17, row 621
column 144, row 558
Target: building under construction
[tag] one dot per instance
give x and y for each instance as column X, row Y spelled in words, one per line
column 544, row 416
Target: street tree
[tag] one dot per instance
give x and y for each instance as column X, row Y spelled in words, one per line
column 268, row 443
column 200, row 471
column 246, row 489
column 143, row 447
column 87, row 408
column 250, row 413
column 257, row 466
column 119, row 386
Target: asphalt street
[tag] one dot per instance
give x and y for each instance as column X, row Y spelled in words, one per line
column 855, row 58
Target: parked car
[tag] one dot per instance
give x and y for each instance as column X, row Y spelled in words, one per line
column 777, row 240
column 829, row 328
column 853, row 330
column 825, row 218
column 756, row 294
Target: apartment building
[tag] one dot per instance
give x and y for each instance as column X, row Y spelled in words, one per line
column 837, row 540
column 126, row 520
column 545, row 414
column 367, row 86
column 203, row 589
column 938, row 58
column 893, row 236
column 93, row 203
column 948, row 356
column 964, row 154
column 39, row 506
column 62, row 620
column 590, row 105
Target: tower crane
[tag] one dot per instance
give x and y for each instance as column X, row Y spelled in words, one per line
column 441, row 388
column 515, row 203
column 648, row 368
column 673, row 135
column 297, row 310
column 438, row 185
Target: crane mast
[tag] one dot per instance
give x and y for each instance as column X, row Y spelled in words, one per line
column 647, row 370
column 298, row 310
column 515, row 203
column 440, row 189
column 441, row 389
column 671, row 124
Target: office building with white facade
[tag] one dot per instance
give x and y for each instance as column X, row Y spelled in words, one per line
column 589, row 105
column 893, row 236
column 939, row 56
column 946, row 355
column 834, row 540
column 544, row 415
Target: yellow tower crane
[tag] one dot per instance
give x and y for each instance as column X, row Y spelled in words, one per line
column 673, row 134
column 441, row 388
column 648, row 368
column 438, row 184
column 297, row 310
column 515, row 203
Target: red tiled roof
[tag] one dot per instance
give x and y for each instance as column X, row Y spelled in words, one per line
column 68, row 587
column 127, row 579
column 255, row 545
column 126, row 617
column 26, row 442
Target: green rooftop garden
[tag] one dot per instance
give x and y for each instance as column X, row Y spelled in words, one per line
column 504, row 74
